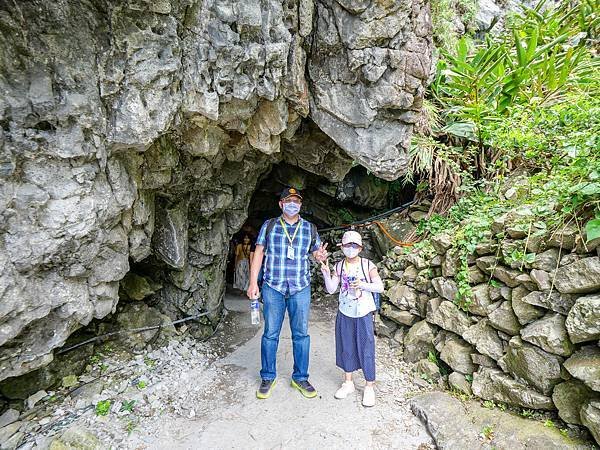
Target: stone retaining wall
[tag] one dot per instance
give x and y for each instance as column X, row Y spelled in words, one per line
column 529, row 337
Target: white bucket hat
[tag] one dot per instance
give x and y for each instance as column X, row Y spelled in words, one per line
column 351, row 236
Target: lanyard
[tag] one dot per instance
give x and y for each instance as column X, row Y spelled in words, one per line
column 291, row 239
column 347, row 266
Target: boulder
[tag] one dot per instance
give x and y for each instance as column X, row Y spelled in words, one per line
column 583, row 320
column 458, row 382
column 570, row 258
column 451, row 263
column 584, row 365
column 485, row 339
column 449, row 317
column 418, row 342
column 554, row 301
column 428, row 370
column 569, row 397
column 504, row 319
column 590, row 417
column 542, row 279
column 139, row 315
column 441, row 243
column 459, row 425
column 565, row 238
column 525, row 312
column 506, row 275
column 397, row 315
column 579, row 277
column 483, row 360
column 137, row 287
column 445, row 288
column 493, row 384
column 476, row 276
column 457, row 354
column 443, row 337
column 481, row 300
column 549, row 334
column 486, row 264
column 403, row 297
column 531, row 365
column 76, row 438
column 9, row 416
column 384, row 327
column 439, row 412
column 547, row 260
column 7, row 432
column 409, row 274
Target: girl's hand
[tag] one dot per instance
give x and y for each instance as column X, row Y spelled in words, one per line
column 325, row 266
column 355, row 284
column 321, row 253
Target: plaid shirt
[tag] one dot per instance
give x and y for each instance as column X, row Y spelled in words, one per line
column 285, row 275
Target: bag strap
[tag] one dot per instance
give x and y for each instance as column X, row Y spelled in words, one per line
column 368, row 273
column 313, row 236
column 270, row 225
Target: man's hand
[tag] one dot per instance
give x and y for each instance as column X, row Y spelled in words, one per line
column 321, row 253
column 253, row 292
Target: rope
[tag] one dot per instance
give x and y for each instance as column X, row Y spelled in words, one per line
column 390, row 237
column 134, row 330
column 368, row 220
column 374, row 220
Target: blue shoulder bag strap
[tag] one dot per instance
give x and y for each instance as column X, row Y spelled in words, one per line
column 270, row 225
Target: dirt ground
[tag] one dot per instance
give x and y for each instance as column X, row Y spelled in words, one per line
column 202, row 395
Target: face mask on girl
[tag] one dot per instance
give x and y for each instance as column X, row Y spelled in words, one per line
column 351, row 252
column 291, row 209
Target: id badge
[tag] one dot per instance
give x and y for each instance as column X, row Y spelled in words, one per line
column 290, row 252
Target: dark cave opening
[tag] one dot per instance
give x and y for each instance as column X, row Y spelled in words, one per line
column 327, row 204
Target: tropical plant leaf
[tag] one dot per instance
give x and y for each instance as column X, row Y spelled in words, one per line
column 592, row 229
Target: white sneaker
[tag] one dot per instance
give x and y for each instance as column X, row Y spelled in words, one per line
column 369, row 396
column 346, row 389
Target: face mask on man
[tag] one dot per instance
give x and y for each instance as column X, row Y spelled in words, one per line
column 351, row 252
column 291, row 209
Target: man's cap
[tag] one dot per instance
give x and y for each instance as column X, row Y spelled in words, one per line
column 352, row 237
column 288, row 192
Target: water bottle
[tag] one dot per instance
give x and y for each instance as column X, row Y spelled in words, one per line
column 255, row 312
column 351, row 290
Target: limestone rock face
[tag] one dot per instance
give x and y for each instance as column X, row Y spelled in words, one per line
column 367, row 69
column 137, row 132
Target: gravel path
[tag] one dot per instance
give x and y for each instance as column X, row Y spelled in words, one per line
column 192, row 395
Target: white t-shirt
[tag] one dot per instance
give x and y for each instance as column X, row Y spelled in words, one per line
column 359, row 303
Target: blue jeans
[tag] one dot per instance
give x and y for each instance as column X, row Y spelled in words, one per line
column 274, row 306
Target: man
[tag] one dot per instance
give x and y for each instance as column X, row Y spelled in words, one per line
column 286, row 242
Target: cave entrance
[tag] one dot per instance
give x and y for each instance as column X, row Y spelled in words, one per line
column 327, row 204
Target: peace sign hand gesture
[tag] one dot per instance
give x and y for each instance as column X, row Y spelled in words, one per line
column 321, row 253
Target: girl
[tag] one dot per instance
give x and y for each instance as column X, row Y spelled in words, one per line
column 354, row 337
column 243, row 256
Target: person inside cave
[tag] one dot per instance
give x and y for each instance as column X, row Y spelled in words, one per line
column 244, row 251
